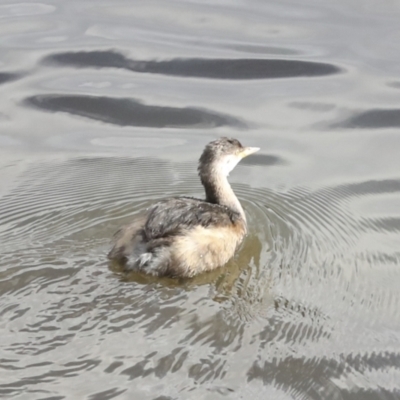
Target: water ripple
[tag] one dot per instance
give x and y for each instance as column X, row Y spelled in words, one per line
column 290, row 298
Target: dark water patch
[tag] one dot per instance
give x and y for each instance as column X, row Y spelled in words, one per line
column 307, row 105
column 130, row 112
column 313, row 378
column 163, row 398
column 107, row 394
column 373, row 119
column 94, row 59
column 234, row 69
column 308, row 378
column 369, row 187
column 6, row 77
column 263, row 160
column 300, row 326
column 371, row 394
column 159, row 367
column 394, row 85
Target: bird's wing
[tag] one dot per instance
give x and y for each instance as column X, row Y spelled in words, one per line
column 173, row 216
column 125, row 238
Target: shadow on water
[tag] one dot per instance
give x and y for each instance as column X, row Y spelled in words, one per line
column 234, row 69
column 130, row 112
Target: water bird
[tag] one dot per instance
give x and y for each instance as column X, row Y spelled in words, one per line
column 185, row 236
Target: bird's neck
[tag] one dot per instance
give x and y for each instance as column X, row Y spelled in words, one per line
column 219, row 191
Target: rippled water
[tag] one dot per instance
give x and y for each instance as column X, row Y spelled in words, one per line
column 105, row 108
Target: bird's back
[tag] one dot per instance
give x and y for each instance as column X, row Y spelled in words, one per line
column 180, row 237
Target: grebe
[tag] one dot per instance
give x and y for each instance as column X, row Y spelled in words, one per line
column 184, row 236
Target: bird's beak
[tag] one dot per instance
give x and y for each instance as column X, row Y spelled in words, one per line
column 247, row 151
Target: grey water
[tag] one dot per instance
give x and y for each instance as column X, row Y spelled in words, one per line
column 105, row 107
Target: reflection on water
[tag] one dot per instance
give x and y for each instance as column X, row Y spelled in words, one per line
column 308, row 307
column 203, row 68
column 374, row 119
column 131, row 112
column 8, row 76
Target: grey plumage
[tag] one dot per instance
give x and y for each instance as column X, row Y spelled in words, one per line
column 182, row 236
